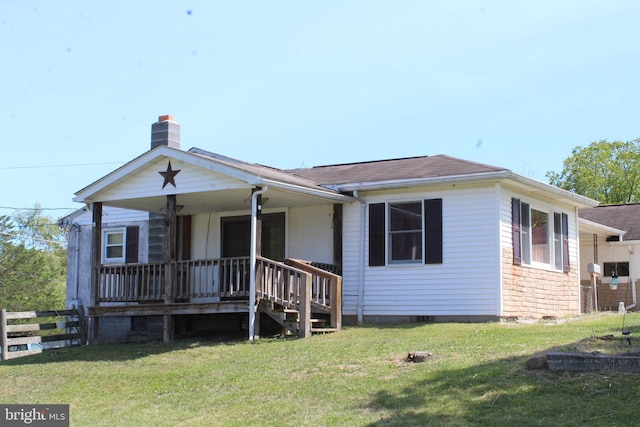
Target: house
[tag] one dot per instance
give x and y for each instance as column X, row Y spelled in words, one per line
column 167, row 243
column 610, row 238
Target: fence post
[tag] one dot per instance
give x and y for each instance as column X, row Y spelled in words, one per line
column 3, row 334
column 336, row 302
column 83, row 325
column 305, row 306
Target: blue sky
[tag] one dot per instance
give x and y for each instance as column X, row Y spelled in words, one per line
column 291, row 83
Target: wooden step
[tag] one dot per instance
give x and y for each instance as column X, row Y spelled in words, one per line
column 323, row 330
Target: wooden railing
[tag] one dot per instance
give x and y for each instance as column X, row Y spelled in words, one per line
column 215, row 278
column 326, row 290
column 288, row 287
column 295, row 284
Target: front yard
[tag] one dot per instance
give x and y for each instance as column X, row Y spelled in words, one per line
column 355, row 377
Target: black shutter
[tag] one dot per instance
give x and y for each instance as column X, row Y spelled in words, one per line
column 376, row 234
column 131, row 249
column 433, row 231
column 515, row 231
column 566, row 265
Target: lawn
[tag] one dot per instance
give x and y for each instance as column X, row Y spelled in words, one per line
column 357, row 377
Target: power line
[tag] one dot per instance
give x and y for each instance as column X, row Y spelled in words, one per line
column 22, row 237
column 60, row 166
column 38, row 209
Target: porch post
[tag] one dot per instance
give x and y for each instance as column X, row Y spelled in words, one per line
column 169, row 265
column 256, row 208
column 96, row 260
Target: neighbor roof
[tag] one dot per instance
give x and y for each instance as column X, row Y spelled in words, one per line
column 623, row 217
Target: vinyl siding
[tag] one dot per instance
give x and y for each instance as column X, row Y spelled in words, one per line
column 148, row 182
column 310, row 233
column 112, row 215
column 466, row 283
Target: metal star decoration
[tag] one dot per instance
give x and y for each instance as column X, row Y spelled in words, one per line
column 168, row 175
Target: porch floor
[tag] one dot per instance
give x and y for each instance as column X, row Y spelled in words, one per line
column 160, row 309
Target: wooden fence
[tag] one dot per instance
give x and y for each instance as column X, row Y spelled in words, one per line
column 21, row 336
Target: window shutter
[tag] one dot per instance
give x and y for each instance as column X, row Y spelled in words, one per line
column 515, row 231
column 566, row 264
column 433, row 231
column 376, row 234
column 131, row 249
column 183, row 237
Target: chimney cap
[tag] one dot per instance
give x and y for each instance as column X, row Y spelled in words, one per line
column 165, row 118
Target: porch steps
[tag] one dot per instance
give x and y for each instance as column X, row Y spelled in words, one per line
column 290, row 320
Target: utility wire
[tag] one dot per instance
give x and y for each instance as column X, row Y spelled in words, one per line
column 37, row 209
column 19, row 236
column 60, row 166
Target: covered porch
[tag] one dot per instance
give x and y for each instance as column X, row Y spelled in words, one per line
column 251, row 271
column 304, row 298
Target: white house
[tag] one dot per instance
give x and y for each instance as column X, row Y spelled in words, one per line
column 168, row 242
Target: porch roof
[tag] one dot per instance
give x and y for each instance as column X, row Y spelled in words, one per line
column 227, row 187
column 624, row 217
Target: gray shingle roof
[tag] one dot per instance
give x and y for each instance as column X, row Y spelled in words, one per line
column 623, row 217
column 394, row 169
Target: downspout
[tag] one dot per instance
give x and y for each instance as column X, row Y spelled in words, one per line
column 252, row 261
column 76, row 291
column 363, row 206
column 632, row 279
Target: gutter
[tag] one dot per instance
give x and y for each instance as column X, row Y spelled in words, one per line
column 530, row 184
column 632, row 273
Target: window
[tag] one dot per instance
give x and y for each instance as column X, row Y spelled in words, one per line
column 120, row 245
column 540, row 238
column 114, row 245
column 407, row 232
column 620, row 269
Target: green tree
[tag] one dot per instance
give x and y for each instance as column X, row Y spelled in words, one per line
column 32, row 262
column 608, row 172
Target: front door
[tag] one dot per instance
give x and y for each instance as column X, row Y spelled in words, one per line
column 236, row 243
column 236, row 236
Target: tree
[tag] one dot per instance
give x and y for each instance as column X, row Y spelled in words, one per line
column 32, row 262
column 608, row 172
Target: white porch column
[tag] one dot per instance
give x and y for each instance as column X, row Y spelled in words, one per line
column 255, row 211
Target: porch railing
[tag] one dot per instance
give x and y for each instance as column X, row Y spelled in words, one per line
column 295, row 284
column 214, row 278
column 326, row 290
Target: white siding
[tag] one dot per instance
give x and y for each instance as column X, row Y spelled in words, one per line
column 466, row 283
column 148, row 182
column 113, row 216
column 205, row 236
column 540, row 204
column 310, row 233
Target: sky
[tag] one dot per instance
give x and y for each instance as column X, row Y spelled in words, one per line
column 295, row 84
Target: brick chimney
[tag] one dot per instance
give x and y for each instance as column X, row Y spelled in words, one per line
column 165, row 132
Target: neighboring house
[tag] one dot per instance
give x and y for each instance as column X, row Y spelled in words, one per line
column 610, row 238
column 167, row 243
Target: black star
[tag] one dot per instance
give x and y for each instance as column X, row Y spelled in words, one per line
column 168, row 175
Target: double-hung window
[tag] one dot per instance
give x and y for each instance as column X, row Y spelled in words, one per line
column 405, row 232
column 114, row 246
column 540, row 237
column 120, row 245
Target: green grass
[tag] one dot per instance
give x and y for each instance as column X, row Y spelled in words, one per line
column 357, row 377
